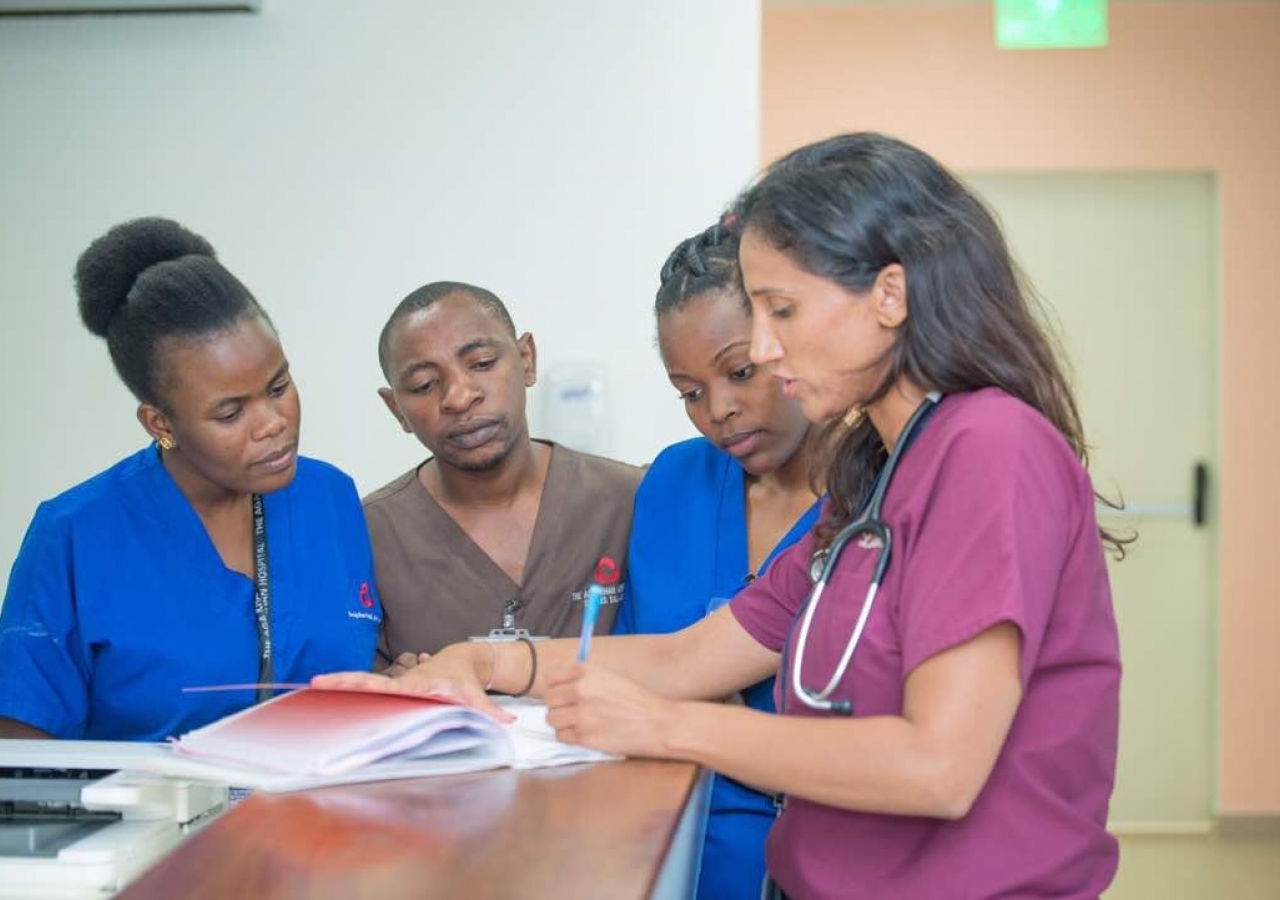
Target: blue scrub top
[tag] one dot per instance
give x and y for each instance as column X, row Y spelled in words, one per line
column 118, row 599
column 689, row 552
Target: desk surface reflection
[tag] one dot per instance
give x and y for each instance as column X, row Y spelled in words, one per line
column 585, row 831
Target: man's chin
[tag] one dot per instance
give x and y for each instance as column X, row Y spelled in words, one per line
column 482, row 459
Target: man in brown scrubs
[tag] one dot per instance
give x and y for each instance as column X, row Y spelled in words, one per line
column 493, row 524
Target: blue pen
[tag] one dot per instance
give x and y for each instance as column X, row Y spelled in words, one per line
column 590, row 609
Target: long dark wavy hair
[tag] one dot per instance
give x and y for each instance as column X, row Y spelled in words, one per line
column 846, row 207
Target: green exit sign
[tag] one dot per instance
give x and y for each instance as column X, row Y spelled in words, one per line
column 1037, row 24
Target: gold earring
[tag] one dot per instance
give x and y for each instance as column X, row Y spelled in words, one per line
column 166, row 444
column 852, row 416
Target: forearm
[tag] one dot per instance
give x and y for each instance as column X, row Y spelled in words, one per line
column 883, row 764
column 932, row 760
column 709, row 659
column 649, row 660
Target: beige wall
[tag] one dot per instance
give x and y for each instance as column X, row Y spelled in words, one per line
column 1182, row 86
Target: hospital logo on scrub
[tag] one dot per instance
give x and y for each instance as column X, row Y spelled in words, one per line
column 368, row 602
column 607, row 571
column 607, row 574
column 869, row 541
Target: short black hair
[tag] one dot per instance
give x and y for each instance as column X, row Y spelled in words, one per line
column 708, row 261
column 427, row 296
column 150, row 279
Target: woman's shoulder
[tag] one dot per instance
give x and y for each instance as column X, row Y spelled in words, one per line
column 691, row 474
column 688, row 460
column 102, row 492
column 98, row 505
column 996, row 419
column 992, row 431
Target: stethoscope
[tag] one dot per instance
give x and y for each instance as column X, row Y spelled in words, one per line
column 823, row 564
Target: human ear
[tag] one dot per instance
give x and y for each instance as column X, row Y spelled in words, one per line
column 529, row 356
column 890, row 293
column 157, row 425
column 389, row 399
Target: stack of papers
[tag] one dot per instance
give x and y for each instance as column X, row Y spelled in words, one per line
column 313, row 737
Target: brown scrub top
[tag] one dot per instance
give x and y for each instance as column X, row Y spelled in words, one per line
column 438, row 587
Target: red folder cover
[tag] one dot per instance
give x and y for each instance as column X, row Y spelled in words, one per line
column 311, row 737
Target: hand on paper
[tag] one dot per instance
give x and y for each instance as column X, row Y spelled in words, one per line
column 449, row 675
column 594, row 707
column 404, row 662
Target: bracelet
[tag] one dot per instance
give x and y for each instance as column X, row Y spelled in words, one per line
column 493, row 665
column 533, row 661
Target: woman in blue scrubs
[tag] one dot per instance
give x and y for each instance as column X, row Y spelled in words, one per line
column 216, row 555
column 713, row 512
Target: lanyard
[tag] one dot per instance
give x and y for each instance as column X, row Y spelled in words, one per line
column 262, row 598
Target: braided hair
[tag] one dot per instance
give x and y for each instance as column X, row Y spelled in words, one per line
column 708, row 261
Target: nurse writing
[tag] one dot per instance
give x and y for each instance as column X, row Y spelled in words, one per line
column 712, row 513
column 971, row 749
column 214, row 555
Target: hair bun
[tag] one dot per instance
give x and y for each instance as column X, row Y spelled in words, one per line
column 106, row 272
column 676, row 260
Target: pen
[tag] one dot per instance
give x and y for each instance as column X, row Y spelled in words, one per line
column 590, row 608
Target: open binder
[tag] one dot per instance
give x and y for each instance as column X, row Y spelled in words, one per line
column 313, row 737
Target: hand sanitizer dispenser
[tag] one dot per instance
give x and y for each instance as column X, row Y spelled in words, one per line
column 576, row 409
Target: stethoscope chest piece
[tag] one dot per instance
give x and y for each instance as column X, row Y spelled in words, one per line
column 816, row 564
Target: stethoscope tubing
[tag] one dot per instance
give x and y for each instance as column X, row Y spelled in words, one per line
column 870, row 522
column 867, row 524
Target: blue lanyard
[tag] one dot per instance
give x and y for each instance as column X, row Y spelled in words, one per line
column 262, row 598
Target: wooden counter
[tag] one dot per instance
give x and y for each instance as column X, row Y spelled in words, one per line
column 628, row 830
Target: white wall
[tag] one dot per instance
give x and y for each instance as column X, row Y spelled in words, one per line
column 340, row 154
